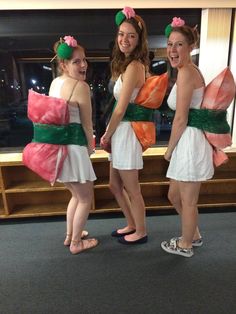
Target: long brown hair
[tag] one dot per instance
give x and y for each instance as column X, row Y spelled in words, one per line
column 119, row 61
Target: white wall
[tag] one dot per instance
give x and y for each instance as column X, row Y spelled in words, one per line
column 215, row 50
column 108, row 4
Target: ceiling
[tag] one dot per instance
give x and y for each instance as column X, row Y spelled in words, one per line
column 33, row 32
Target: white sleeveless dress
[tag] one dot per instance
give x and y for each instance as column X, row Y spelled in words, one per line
column 126, row 149
column 192, row 158
column 77, row 166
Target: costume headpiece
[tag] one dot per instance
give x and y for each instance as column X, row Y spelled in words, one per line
column 176, row 22
column 65, row 47
column 126, row 13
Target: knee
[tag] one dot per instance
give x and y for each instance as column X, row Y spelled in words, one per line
column 85, row 199
column 74, row 197
column 115, row 188
column 134, row 193
column 173, row 198
column 190, row 204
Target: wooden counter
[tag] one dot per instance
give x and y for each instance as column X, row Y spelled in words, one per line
column 25, row 194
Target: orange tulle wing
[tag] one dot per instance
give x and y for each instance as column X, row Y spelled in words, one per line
column 145, row 132
column 151, row 96
column 152, row 93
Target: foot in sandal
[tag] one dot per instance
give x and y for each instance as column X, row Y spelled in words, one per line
column 82, row 245
column 68, row 237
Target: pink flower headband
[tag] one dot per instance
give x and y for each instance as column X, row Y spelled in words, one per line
column 176, row 22
column 126, row 13
column 65, row 47
column 70, row 41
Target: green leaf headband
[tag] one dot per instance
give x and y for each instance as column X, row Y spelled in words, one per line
column 176, row 22
column 65, row 47
column 126, row 13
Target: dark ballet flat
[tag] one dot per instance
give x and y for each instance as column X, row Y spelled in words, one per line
column 116, row 234
column 139, row 241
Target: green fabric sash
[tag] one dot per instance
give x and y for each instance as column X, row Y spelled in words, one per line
column 136, row 112
column 69, row 134
column 209, row 120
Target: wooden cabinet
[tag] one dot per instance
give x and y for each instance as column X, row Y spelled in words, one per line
column 25, row 194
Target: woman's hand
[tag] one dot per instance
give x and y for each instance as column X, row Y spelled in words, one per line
column 91, row 150
column 104, row 139
column 167, row 155
column 105, row 143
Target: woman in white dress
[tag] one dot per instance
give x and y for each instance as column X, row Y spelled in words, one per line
column 77, row 172
column 188, row 151
column 129, row 64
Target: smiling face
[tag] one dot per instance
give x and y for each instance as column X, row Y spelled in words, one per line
column 178, row 50
column 77, row 66
column 127, row 38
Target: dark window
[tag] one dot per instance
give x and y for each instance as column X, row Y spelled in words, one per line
column 26, row 40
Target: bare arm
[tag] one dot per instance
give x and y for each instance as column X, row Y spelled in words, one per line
column 133, row 77
column 185, row 89
column 82, row 96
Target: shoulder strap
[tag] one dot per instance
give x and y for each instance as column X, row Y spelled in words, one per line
column 200, row 73
column 72, row 91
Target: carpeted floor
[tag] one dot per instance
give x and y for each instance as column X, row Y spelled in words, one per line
column 39, row 275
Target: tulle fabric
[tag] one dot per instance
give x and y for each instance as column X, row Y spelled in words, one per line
column 46, row 159
column 151, row 95
column 218, row 95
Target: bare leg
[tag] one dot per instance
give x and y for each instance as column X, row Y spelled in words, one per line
column 71, row 208
column 117, row 189
column 84, row 194
column 131, row 184
column 189, row 192
column 175, row 199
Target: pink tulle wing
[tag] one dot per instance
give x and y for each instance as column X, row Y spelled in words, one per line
column 219, row 140
column 218, row 95
column 220, row 92
column 46, row 159
column 219, row 157
column 47, row 109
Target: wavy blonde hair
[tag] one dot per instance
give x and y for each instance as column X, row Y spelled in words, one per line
column 60, row 61
column 191, row 34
